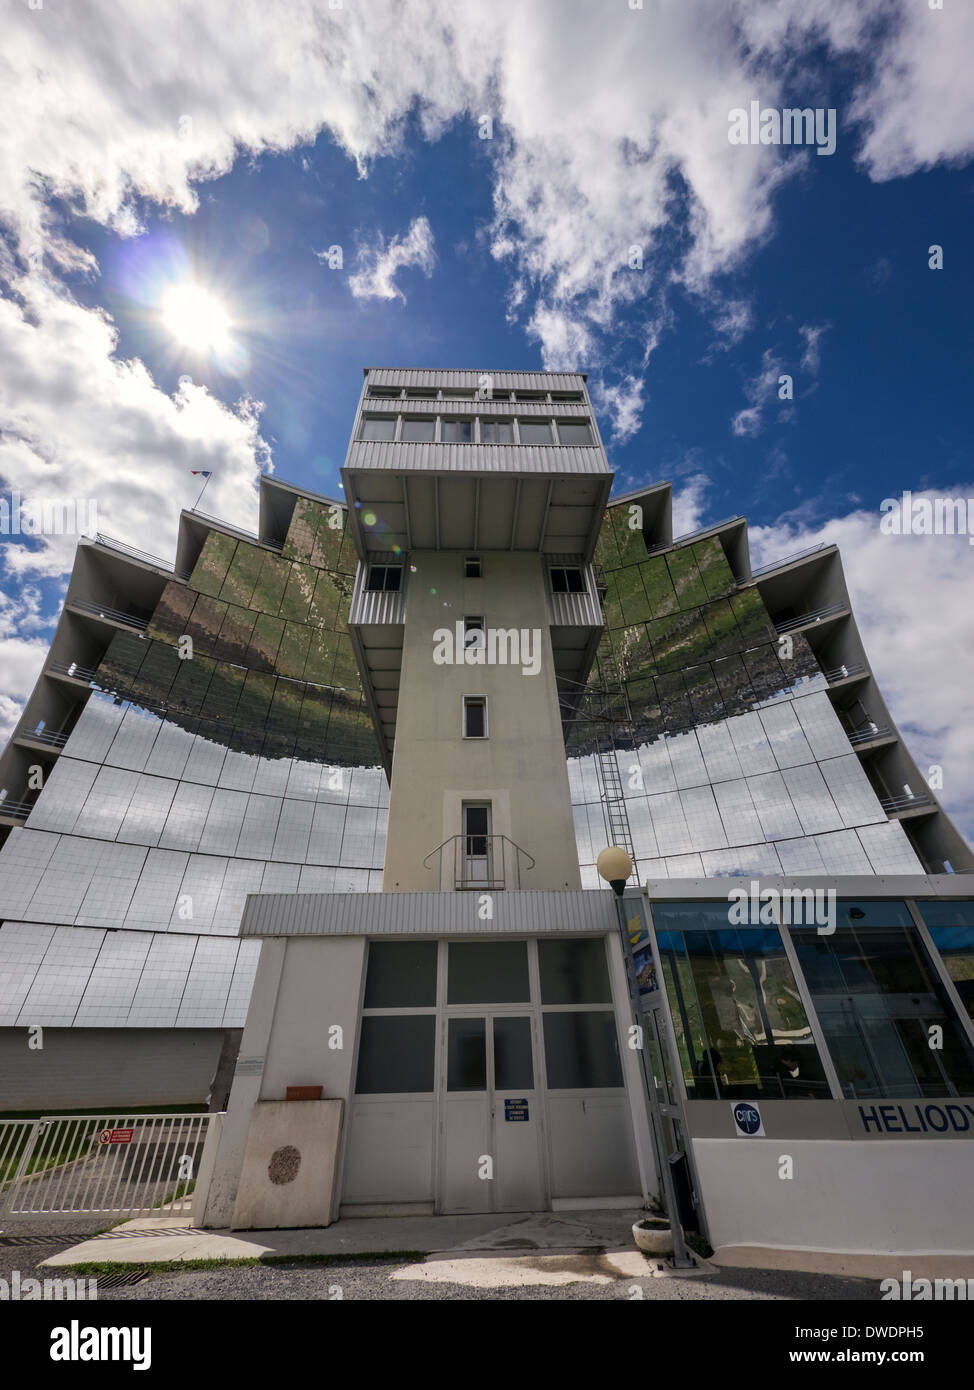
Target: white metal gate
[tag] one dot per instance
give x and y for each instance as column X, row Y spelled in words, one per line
column 116, row 1165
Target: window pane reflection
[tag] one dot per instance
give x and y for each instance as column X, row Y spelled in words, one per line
column 741, row 1028
column 877, row 996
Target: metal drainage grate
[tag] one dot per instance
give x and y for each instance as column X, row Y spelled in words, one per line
column 66, row 1239
column 116, row 1281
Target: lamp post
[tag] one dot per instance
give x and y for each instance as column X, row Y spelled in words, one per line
column 615, row 866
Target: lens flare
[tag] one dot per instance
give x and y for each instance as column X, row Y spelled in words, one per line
column 196, row 318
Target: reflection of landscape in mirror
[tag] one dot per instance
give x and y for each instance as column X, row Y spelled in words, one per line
column 951, row 925
column 878, row 996
column 272, row 672
column 741, row 1028
column 683, row 644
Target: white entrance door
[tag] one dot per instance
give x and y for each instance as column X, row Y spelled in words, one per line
column 490, row 1151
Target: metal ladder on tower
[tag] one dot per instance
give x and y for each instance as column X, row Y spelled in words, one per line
column 615, row 801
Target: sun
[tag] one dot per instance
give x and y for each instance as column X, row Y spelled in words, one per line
column 196, row 318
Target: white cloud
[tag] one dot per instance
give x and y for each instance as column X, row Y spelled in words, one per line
column 22, row 613
column 760, row 391
column 918, row 112
column 598, row 115
column 732, row 320
column 622, row 404
column 690, row 504
column 911, row 599
column 811, row 334
column 78, row 423
column 21, row 660
column 381, row 263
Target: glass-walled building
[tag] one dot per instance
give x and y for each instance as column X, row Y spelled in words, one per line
column 817, row 1075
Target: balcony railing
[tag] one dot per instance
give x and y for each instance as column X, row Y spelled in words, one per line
column 865, row 733
column 688, row 535
column 840, row 673
column 135, row 553
column 481, row 862
column 814, row 616
column 112, row 615
column 78, row 673
column 903, row 803
column 48, row 736
column 16, row 810
column 789, row 559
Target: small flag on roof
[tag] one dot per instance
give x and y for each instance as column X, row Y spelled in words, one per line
column 199, row 473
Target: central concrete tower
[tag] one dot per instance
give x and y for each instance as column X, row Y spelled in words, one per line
column 475, row 503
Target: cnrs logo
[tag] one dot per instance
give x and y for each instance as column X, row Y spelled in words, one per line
column 748, row 1118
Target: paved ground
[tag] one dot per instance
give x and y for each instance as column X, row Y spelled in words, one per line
column 574, row 1256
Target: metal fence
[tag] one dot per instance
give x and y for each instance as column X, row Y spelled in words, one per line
column 116, row 1165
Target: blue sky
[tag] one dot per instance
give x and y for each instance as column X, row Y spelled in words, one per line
column 883, row 408
column 228, row 147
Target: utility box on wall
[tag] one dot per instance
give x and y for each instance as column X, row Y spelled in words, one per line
column 288, row 1174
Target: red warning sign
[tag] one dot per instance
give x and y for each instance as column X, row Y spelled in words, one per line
column 116, row 1136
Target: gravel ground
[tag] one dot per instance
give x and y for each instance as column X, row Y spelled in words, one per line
column 24, row 1244
column 372, row 1282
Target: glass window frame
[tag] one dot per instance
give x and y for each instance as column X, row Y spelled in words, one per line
column 385, row 587
column 566, row 571
column 367, row 419
column 466, row 702
column 575, row 443
column 537, row 443
column 453, row 420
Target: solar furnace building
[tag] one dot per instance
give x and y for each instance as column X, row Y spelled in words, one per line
column 226, row 725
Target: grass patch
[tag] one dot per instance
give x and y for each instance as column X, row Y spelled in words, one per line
column 183, row 1190
column 96, row 1267
column 102, row 1113
column 79, row 1145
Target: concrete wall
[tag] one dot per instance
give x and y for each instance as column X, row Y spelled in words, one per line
column 304, row 988
column 83, row 1067
column 520, row 767
column 289, row 1166
column 889, row 1197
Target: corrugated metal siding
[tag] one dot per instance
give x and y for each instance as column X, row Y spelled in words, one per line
column 467, row 379
column 382, row 405
column 426, row 914
column 575, row 610
column 510, row 459
column 380, row 607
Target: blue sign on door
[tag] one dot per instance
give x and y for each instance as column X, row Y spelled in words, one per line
column 515, row 1110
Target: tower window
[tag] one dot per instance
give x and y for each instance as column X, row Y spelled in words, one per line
column 473, row 633
column 418, row 431
column 471, row 567
column 496, row 432
column 535, row 431
column 378, row 427
column 568, row 581
column 574, row 432
column 475, row 716
column 384, row 578
column 457, row 431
